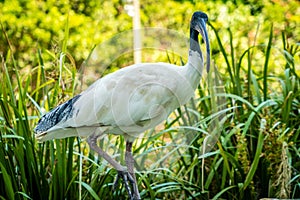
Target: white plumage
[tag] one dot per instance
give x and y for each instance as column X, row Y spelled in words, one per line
column 131, row 100
column 128, row 102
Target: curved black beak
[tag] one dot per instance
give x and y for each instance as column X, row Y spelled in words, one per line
column 201, row 28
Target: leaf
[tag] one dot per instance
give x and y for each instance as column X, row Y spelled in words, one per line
column 268, row 52
column 217, row 196
column 89, row 189
column 257, row 156
column 8, row 184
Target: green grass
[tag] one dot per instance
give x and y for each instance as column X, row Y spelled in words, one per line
column 254, row 116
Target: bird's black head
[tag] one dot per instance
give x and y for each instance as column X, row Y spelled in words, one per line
column 198, row 17
column 198, row 25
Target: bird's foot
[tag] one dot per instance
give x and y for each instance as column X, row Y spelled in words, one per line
column 128, row 180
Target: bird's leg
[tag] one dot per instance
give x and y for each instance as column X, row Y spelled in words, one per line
column 92, row 141
column 122, row 172
column 126, row 178
column 130, row 167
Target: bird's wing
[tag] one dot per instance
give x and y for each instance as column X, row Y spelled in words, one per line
column 131, row 97
column 128, row 96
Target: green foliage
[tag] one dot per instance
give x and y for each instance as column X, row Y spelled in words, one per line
column 31, row 25
column 257, row 122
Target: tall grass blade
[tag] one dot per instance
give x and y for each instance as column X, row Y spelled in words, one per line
column 222, row 49
column 259, row 147
column 90, row 190
column 8, row 184
column 267, row 57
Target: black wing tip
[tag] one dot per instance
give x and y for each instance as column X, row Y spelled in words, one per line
column 56, row 115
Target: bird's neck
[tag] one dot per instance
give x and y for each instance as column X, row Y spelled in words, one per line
column 194, row 66
column 194, row 41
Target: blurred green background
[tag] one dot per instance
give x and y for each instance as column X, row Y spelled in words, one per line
column 255, row 48
column 32, row 25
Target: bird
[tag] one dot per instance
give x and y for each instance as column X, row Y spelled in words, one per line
column 129, row 101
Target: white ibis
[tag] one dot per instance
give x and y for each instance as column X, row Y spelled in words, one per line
column 128, row 102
